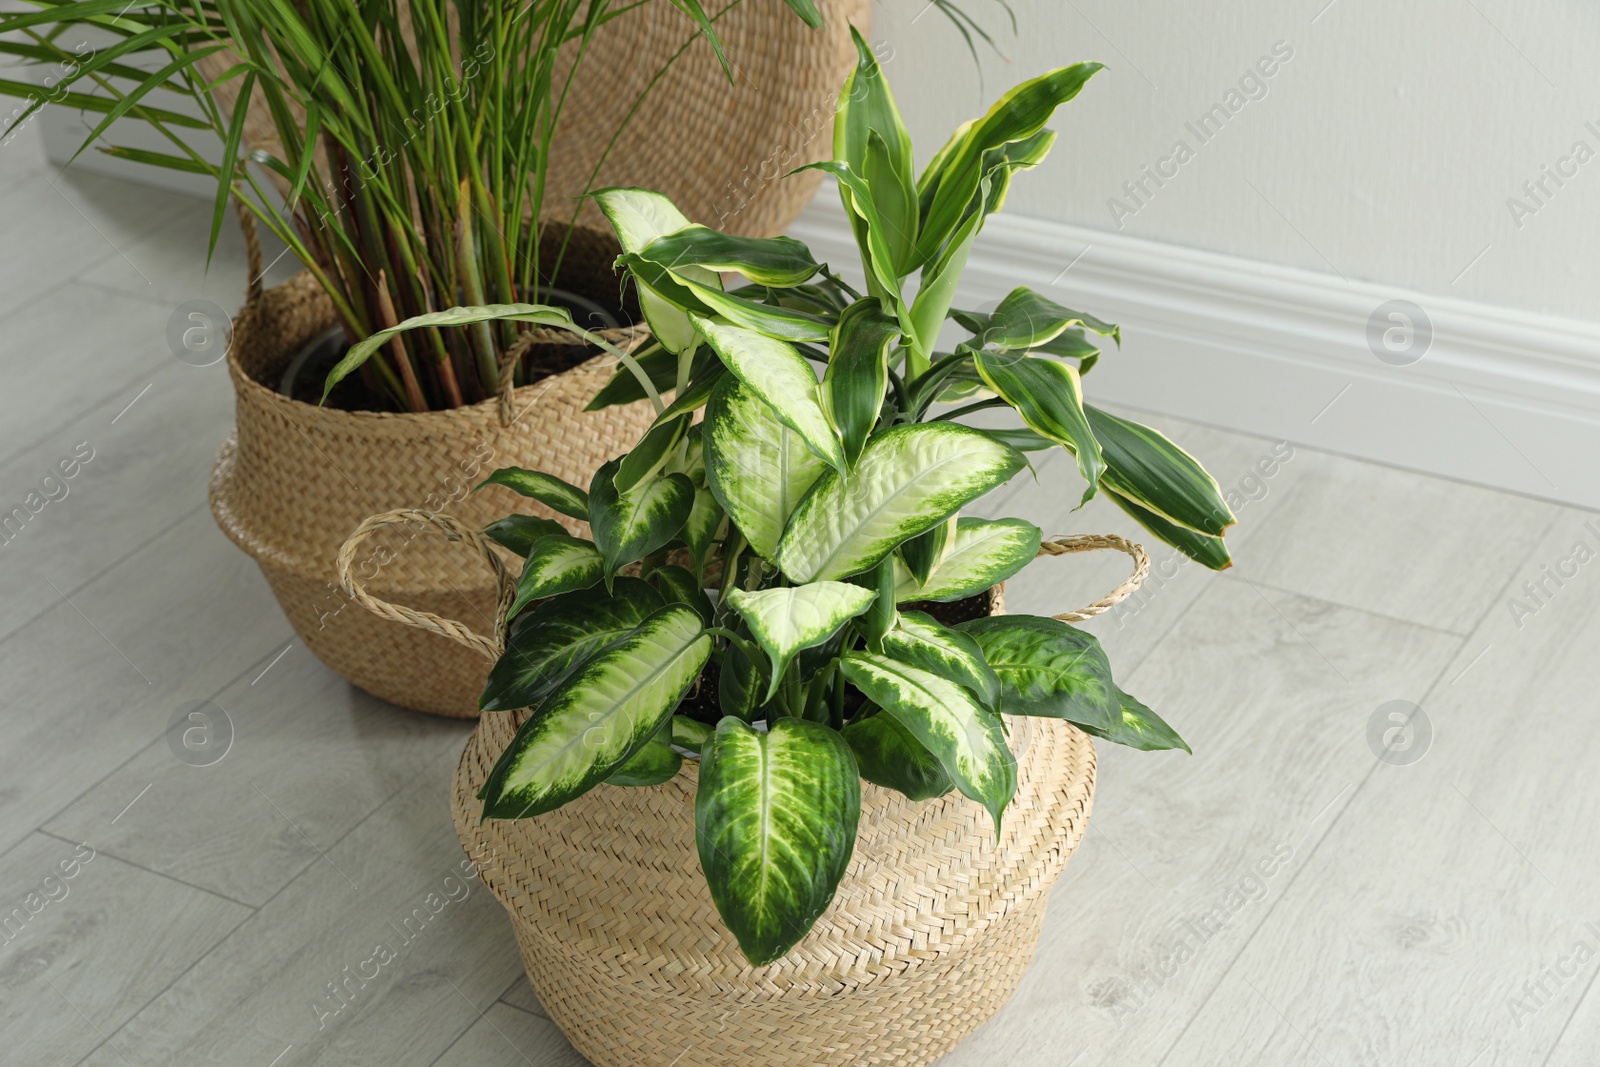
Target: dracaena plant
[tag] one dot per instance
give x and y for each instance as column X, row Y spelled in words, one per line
column 785, row 589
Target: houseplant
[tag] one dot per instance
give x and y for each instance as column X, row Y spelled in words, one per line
column 404, row 164
column 782, row 600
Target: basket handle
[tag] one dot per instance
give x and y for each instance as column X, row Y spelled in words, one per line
column 252, row 252
column 453, row 530
column 1063, row 546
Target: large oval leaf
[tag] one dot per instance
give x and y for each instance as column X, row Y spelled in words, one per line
column 557, row 637
column 605, row 712
column 1049, row 397
column 920, row 641
column 889, row 756
column 908, row 480
column 547, row 489
column 1138, row 727
column 786, row 620
column 779, row 375
column 947, row 720
column 629, row 526
column 1146, row 467
column 757, row 468
column 775, row 818
column 982, row 553
column 557, row 564
column 1049, row 669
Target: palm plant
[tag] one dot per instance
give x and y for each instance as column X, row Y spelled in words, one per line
column 845, row 633
column 411, row 150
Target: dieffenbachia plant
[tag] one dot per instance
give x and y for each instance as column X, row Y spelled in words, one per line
column 761, row 588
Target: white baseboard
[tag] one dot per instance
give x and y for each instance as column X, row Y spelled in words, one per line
column 1501, row 398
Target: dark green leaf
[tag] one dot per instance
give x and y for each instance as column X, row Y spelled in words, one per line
column 1210, row 551
column 655, row 763
column 519, row 533
column 1048, row 669
column 1138, row 727
column 547, row 489
column 923, row 554
column 1146, row 467
column 1026, row 320
column 858, row 372
column 890, row 756
column 679, row 586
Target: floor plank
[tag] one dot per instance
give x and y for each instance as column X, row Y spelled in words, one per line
column 88, row 941
column 245, row 826
column 1185, row 853
column 304, row 979
column 1421, row 549
column 1447, row 884
column 513, row 1038
column 93, row 681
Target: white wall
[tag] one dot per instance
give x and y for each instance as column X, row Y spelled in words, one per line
column 1384, row 150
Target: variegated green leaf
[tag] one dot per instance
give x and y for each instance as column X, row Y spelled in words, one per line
column 867, row 106
column 983, row 552
column 890, row 756
column 952, row 178
column 1144, row 466
column 1203, row 548
column 557, row 637
column 520, row 532
column 775, row 821
column 939, row 281
column 1049, row 397
column 947, row 720
column 757, row 467
column 739, row 683
column 629, row 526
column 922, row 642
column 639, row 217
column 547, row 489
column 1025, row 320
column 780, row 376
column 773, row 320
column 655, row 763
column 557, row 564
column 599, row 717
column 857, row 376
column 1047, row 668
column 907, row 481
column 777, row 261
column 786, row 620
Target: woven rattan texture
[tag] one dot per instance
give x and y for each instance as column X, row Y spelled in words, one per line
column 719, row 149
column 294, row 480
column 932, row 928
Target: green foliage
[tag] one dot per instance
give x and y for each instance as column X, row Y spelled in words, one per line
column 787, row 529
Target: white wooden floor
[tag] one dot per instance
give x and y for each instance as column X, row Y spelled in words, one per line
column 1281, row 897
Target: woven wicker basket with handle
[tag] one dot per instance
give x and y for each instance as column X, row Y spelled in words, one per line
column 293, row 479
column 929, row 933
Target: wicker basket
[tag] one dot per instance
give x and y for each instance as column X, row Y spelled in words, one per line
column 929, row 933
column 719, row 150
column 293, row 480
